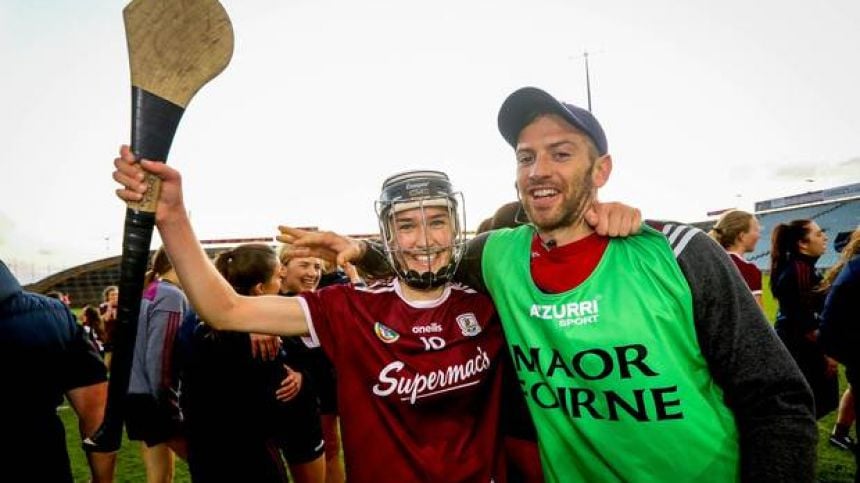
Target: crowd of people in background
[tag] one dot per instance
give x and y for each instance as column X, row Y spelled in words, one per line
column 557, row 344
column 800, row 291
column 247, row 399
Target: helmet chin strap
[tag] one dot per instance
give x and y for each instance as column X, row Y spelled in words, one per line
column 427, row 280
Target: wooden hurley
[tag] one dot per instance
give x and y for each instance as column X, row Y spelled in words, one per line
column 174, row 47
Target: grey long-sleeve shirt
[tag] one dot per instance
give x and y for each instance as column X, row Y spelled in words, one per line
column 162, row 308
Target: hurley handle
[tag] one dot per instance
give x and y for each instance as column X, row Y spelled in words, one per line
column 154, row 123
column 175, row 47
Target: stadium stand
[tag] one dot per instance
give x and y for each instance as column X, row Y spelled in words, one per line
column 84, row 283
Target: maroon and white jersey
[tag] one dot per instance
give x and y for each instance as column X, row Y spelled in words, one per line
column 750, row 273
column 418, row 382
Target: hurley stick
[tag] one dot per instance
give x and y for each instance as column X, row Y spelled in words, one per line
column 174, row 47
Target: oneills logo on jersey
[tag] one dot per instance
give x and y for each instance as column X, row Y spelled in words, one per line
column 585, row 312
column 469, row 325
column 433, row 328
column 386, row 334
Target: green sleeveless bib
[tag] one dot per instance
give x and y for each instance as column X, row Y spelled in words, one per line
column 612, row 371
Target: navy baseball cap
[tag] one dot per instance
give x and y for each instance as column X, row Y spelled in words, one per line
column 521, row 107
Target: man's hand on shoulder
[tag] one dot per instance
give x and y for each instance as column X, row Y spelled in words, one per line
column 614, row 219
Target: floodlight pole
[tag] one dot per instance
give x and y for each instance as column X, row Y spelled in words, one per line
column 585, row 55
column 587, row 80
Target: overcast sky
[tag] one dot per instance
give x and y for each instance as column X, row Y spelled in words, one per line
column 706, row 105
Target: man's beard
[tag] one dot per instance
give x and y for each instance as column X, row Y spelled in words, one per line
column 572, row 210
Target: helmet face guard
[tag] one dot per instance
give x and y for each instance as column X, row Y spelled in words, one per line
column 421, row 206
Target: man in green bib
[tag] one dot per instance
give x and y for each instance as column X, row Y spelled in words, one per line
column 643, row 358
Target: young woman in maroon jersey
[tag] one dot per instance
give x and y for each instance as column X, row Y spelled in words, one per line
column 738, row 233
column 417, row 356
